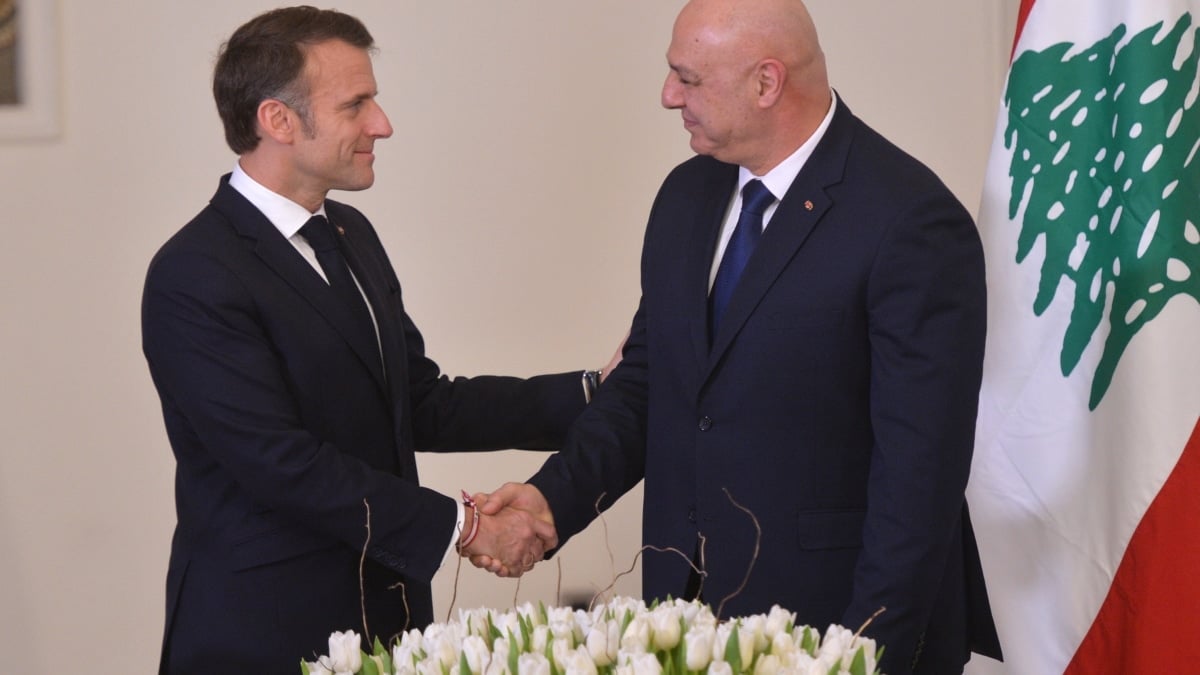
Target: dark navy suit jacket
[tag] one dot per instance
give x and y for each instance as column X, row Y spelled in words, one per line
column 836, row 403
column 285, row 431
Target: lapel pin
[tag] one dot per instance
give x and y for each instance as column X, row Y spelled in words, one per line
column 342, row 231
column 808, row 205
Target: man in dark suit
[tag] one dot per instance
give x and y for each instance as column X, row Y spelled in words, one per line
column 295, row 388
column 829, row 390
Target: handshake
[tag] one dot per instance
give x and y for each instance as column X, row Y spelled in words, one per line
column 507, row 531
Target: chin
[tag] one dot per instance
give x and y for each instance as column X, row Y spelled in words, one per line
column 700, row 147
column 361, row 183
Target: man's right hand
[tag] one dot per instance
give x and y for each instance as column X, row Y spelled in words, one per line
column 526, row 512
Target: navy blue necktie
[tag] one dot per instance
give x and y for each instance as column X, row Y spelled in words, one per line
column 755, row 200
column 319, row 234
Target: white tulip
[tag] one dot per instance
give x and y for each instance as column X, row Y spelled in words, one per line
column 837, row 641
column 583, row 623
column 566, row 630
column 868, row 647
column 539, row 639
column 784, row 645
column 603, row 642
column 579, row 662
column 500, row 649
column 751, row 636
column 345, row 652
column 777, row 621
column 696, row 613
column 719, row 668
column 823, row 664
column 560, row 652
column 477, row 653
column 640, row 664
column 721, row 640
column 317, row 668
column 796, row 661
column 428, row 667
column 664, row 623
column 527, row 610
column 445, row 650
column 698, row 643
column 768, row 664
column 474, row 621
column 636, row 639
column 508, row 622
column 404, row 657
column 533, row 664
column 557, row 613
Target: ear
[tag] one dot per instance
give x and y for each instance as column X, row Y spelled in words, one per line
column 277, row 121
column 770, row 77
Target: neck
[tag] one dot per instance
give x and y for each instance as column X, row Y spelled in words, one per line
column 270, row 172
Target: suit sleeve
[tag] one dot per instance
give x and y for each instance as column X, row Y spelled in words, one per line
column 485, row 412
column 605, row 453
column 927, row 315
column 231, row 412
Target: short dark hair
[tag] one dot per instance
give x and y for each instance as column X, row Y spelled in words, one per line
column 264, row 58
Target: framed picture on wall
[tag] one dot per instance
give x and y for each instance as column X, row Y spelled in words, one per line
column 28, row 69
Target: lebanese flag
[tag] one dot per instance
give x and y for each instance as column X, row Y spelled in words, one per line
column 1085, row 487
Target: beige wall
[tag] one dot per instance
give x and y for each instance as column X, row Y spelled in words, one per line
column 529, row 144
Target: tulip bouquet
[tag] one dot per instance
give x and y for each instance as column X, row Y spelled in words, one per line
column 621, row 637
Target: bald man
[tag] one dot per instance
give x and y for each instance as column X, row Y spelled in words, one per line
column 809, row 354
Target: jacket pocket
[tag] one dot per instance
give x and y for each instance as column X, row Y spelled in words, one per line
column 823, row 530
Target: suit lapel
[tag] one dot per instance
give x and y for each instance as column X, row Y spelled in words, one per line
column 801, row 209
column 384, row 295
column 378, row 292
column 278, row 254
column 701, row 249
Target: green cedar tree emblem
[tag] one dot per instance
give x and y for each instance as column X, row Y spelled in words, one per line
column 1105, row 142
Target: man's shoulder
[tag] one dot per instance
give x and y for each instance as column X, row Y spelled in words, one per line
column 699, row 173
column 701, row 167
column 208, row 229
column 876, row 158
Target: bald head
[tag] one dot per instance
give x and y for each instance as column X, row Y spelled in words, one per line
column 757, row 29
column 755, row 69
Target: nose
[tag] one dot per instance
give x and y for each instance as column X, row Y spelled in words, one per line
column 672, row 89
column 380, row 126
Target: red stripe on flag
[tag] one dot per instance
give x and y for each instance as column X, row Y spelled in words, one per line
column 1149, row 621
column 1022, row 15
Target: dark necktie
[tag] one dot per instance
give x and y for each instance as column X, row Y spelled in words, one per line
column 319, row 234
column 755, row 200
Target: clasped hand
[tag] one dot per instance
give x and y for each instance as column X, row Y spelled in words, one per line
column 516, row 529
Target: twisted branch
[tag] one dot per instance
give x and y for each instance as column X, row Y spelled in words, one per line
column 362, row 561
column 753, row 559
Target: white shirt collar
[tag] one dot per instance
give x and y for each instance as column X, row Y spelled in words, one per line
column 779, row 179
column 286, row 215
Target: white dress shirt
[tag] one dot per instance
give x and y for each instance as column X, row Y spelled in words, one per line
column 777, row 180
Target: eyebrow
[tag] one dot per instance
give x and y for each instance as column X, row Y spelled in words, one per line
column 359, row 98
column 683, row 71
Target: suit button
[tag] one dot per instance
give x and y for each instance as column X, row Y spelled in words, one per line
column 691, row 515
column 705, row 423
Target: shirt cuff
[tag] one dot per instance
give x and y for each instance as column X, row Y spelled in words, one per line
column 456, row 534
